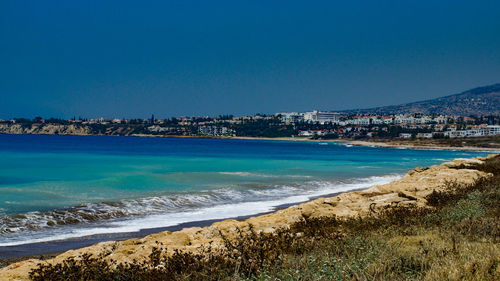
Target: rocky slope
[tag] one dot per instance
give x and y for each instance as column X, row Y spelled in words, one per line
column 70, row 129
column 410, row 189
column 478, row 101
column 44, row 129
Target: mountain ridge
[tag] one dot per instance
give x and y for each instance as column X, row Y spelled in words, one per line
column 478, row 101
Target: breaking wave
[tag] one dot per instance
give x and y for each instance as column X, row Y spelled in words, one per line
column 164, row 211
column 260, row 175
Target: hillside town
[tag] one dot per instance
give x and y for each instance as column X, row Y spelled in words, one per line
column 313, row 124
column 411, row 125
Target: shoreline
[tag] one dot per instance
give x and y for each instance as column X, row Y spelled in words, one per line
column 410, row 189
column 82, row 235
column 365, row 143
column 418, row 147
column 378, row 144
column 50, row 249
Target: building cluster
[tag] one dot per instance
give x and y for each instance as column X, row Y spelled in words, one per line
column 307, row 124
column 471, row 131
column 323, row 117
column 215, row 131
column 348, row 131
column 171, row 130
column 315, row 116
column 411, row 124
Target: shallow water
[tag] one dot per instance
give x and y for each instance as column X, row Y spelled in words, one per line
column 59, row 187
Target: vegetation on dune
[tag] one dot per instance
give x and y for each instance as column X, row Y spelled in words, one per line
column 456, row 238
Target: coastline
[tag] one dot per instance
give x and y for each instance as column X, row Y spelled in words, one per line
column 379, row 144
column 366, row 143
column 418, row 147
column 51, row 249
column 411, row 189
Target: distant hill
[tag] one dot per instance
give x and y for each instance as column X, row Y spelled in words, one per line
column 478, row 101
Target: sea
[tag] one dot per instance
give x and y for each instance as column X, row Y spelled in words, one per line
column 69, row 188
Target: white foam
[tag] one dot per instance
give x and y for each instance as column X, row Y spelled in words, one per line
column 261, row 175
column 244, row 174
column 217, row 212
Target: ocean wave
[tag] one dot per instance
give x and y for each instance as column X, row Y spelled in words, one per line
column 260, row 175
column 244, row 174
column 164, row 211
column 92, row 212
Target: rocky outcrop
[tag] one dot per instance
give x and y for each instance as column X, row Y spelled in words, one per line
column 410, row 189
column 44, row 129
column 70, row 129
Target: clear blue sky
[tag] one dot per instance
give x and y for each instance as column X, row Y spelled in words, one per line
column 169, row 58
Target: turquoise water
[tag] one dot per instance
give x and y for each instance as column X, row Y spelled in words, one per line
column 58, row 187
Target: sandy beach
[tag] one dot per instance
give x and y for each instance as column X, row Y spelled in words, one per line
column 403, row 146
column 383, row 144
column 411, row 189
column 352, row 142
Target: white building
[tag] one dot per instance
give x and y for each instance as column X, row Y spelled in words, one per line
column 440, row 119
column 405, row 135
column 424, row 135
column 490, row 130
column 377, row 121
column 363, row 121
column 215, row 131
column 309, row 133
column 315, row 116
column 291, row 117
column 388, row 120
column 321, row 117
column 493, row 130
column 326, row 117
column 423, row 120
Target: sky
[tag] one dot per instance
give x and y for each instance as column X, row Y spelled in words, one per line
column 131, row 59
